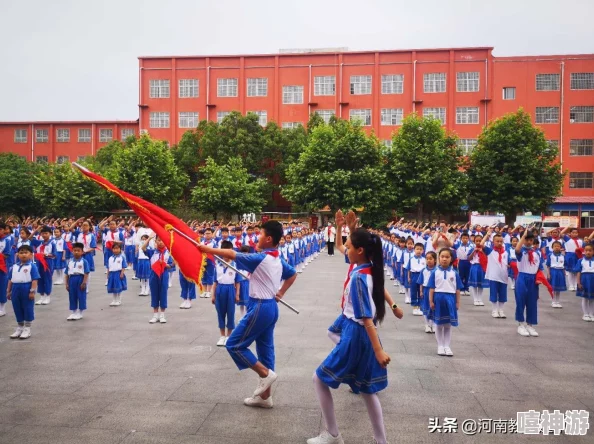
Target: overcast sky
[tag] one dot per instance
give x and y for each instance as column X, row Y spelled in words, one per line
column 77, row 59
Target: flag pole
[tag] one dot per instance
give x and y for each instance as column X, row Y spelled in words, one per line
column 286, row 304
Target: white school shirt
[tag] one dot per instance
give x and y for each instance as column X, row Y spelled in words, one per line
column 586, row 265
column 267, row 272
column 48, row 249
column 496, row 271
column 225, row 274
column 524, row 265
column 116, row 263
column 399, row 253
column 416, row 264
column 22, row 274
column 129, row 238
column 142, row 255
column 358, row 295
column 557, row 261
column 156, row 256
column 290, row 247
column 406, row 255
column 59, row 244
column 445, row 280
column 426, row 273
column 463, row 251
column 570, row 245
column 77, row 267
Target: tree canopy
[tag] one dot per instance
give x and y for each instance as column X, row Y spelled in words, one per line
column 16, row 178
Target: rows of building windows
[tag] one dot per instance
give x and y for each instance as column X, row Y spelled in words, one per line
column 63, row 135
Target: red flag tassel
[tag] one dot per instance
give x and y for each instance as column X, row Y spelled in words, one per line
column 39, row 257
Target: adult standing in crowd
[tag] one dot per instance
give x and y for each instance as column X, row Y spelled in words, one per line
column 345, row 233
column 330, row 237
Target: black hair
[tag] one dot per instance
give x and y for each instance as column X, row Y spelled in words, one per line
column 78, row 245
column 556, row 242
column 244, row 249
column 372, row 244
column 116, row 244
column 418, row 244
column 497, row 235
column 409, row 239
column 536, row 242
column 207, row 229
column 224, row 229
column 273, row 229
column 46, row 229
column 288, row 234
column 26, row 248
column 226, row 245
column 529, row 236
column 449, row 252
column 58, row 228
column 3, row 226
column 432, row 254
column 573, row 229
column 465, row 233
column 26, row 230
column 144, row 236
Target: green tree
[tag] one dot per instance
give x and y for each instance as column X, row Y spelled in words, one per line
column 16, row 193
column 424, row 168
column 228, row 189
column 59, row 190
column 146, row 168
column 513, row 169
column 340, row 167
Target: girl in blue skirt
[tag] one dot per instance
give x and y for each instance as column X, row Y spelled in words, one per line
column 431, row 261
column 585, row 282
column 116, row 278
column 358, row 359
column 406, row 256
column 556, row 266
column 478, row 265
column 60, row 259
column 143, row 268
column 444, row 298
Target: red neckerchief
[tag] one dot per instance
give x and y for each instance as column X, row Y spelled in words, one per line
column 273, row 253
column 329, row 231
column 159, row 266
column 579, row 251
column 499, row 250
column 251, row 241
column 2, row 260
column 238, row 242
column 531, row 257
column 346, row 281
column 482, row 258
column 364, row 270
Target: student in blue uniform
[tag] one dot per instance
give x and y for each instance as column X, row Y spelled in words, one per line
column 476, row 277
column 5, row 265
column 585, row 282
column 556, row 267
column 267, row 271
column 406, row 255
column 188, row 291
column 225, row 294
column 463, row 250
column 89, row 240
column 111, row 236
column 60, row 260
column 526, row 291
column 291, row 255
column 208, row 277
column 45, row 250
column 143, row 267
column 431, row 262
column 416, row 264
column 161, row 261
column 444, row 298
column 22, row 285
column 116, row 278
column 358, row 359
column 77, row 275
column 129, row 245
column 496, row 275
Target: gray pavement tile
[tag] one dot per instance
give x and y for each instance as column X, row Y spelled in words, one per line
column 62, row 381
column 50, row 410
column 112, row 363
column 151, row 416
column 62, row 435
column 486, row 365
column 562, row 387
column 8, row 395
column 467, row 383
column 152, row 438
column 564, row 369
column 500, row 407
column 125, row 385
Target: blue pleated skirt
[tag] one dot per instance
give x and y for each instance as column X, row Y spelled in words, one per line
column 143, row 269
column 425, row 306
column 353, row 362
column 477, row 277
column 336, row 326
column 558, row 281
column 59, row 264
column 115, row 284
column 587, row 290
column 445, row 309
column 570, row 261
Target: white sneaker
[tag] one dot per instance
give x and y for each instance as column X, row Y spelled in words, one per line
column 26, row 334
column 427, row 328
column 448, row 351
column 113, row 302
column 395, row 283
column 2, row 313
column 407, row 300
column 571, row 288
column 256, row 401
column 106, row 283
column 513, row 287
column 432, row 328
column 17, row 333
column 72, row 317
column 162, row 319
column 118, row 301
column 183, row 304
column 531, row 330
column 154, row 319
column 558, row 305
column 134, row 278
column 46, row 301
column 226, row 339
column 475, row 303
column 522, row 331
column 591, row 318
column 401, row 290
column 78, row 315
column 188, row 304
column 480, row 303
column 502, row 314
column 441, row 351
column 221, row 341
column 105, row 272
column 495, row 314
column 40, row 300
column 586, row 318
column 265, row 383
column 326, row 438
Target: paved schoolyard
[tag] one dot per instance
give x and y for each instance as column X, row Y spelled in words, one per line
column 112, row 378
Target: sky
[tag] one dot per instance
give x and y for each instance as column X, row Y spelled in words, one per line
column 78, row 59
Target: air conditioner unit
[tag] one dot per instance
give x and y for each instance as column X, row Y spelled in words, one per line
column 571, row 120
column 143, row 131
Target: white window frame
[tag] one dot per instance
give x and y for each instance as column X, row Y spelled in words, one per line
column 41, row 159
column 291, row 125
column 509, row 89
column 188, row 88
column 581, row 147
column 62, row 159
column 326, row 114
column 257, row 87
column 362, row 115
column 438, row 113
column 392, row 116
column 467, row 115
column 324, row 85
column 159, row 119
column 581, row 114
column 292, row 95
column 435, row 82
column 547, row 82
column 581, row 81
column 84, row 135
column 41, row 136
column 392, row 83
column 63, row 135
column 159, row 88
column 188, row 119
column 545, row 115
column 467, row 146
column 468, row 81
column 582, row 176
column 221, row 115
column 105, row 135
column 20, row 135
column 227, row 87
column 262, row 117
column 126, row 132
column 360, row 85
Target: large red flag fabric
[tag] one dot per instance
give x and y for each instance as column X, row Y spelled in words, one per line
column 189, row 258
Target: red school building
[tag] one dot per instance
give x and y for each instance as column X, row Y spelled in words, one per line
column 463, row 87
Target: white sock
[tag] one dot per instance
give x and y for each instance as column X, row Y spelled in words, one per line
column 571, row 279
column 591, row 305
column 376, row 416
column 501, row 304
column 327, row 405
column 427, row 321
column 585, row 306
column 439, row 335
column 495, row 306
column 479, row 295
column 407, row 293
column 473, row 293
column 447, row 335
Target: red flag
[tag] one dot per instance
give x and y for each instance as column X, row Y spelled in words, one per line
column 514, row 267
column 190, row 259
column 3, row 264
column 541, row 279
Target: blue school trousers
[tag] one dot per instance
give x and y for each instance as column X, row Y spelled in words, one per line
column 159, row 287
column 464, row 272
column 415, row 289
column 225, row 305
column 526, row 298
column 77, row 297
column 257, row 325
column 23, row 306
column 498, row 291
